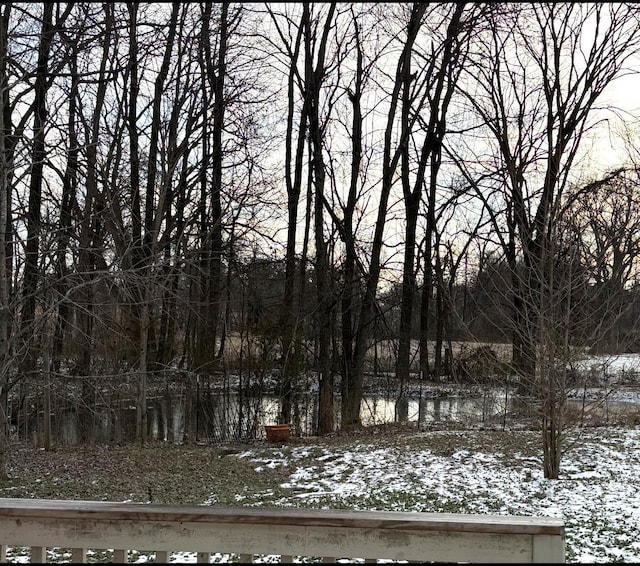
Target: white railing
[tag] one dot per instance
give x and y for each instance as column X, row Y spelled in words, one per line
column 247, row 531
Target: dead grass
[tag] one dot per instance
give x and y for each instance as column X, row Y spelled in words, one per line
column 159, row 473
column 188, row 474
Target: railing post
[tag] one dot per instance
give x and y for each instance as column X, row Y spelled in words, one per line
column 203, row 557
column 3, row 552
column 78, row 555
column 548, row 549
column 38, row 554
column 162, row 556
column 120, row 556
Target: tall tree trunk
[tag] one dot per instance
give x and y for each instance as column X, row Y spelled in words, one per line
column 440, row 290
column 153, row 214
column 353, row 381
column 408, row 293
column 4, row 221
column 91, row 234
column 314, row 78
column 412, row 199
column 177, row 165
column 217, row 80
column 211, row 191
column 68, row 204
column 441, row 86
column 32, row 248
column 133, row 259
column 293, row 181
column 350, row 291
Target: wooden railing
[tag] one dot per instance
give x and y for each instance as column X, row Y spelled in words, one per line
column 443, row 537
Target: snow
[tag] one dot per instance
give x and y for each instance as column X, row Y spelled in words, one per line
column 597, row 496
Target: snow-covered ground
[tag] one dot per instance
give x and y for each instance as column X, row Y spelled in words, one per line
column 598, row 495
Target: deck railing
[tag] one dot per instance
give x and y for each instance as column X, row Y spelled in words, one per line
column 248, row 531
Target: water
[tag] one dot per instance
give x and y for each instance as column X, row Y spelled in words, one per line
column 220, row 417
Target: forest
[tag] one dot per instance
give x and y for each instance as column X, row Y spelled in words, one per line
column 200, row 196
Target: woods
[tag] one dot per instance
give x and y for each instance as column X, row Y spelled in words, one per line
column 200, row 194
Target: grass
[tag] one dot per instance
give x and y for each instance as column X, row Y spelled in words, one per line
column 158, row 473
column 228, row 476
column 188, row 474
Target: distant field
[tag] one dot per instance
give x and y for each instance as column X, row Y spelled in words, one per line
column 269, row 349
column 387, row 349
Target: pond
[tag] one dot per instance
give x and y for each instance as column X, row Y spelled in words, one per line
column 226, row 417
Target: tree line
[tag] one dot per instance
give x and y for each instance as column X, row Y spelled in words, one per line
column 429, row 169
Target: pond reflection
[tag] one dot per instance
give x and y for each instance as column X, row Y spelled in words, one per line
column 225, row 417
column 220, row 417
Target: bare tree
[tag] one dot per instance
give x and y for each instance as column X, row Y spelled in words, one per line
column 426, row 97
column 34, row 213
column 5, row 279
column 536, row 94
column 351, row 271
column 314, row 78
column 291, row 46
column 300, row 47
column 353, row 380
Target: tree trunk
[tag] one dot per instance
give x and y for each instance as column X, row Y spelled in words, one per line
column 412, row 197
column 69, row 191
column 354, row 380
column 437, row 358
column 350, row 291
column 293, row 180
column 314, row 78
column 425, row 306
column 552, row 427
column 209, row 292
column 408, row 294
column 440, row 84
column 91, row 235
column 4, row 221
column 31, row 273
